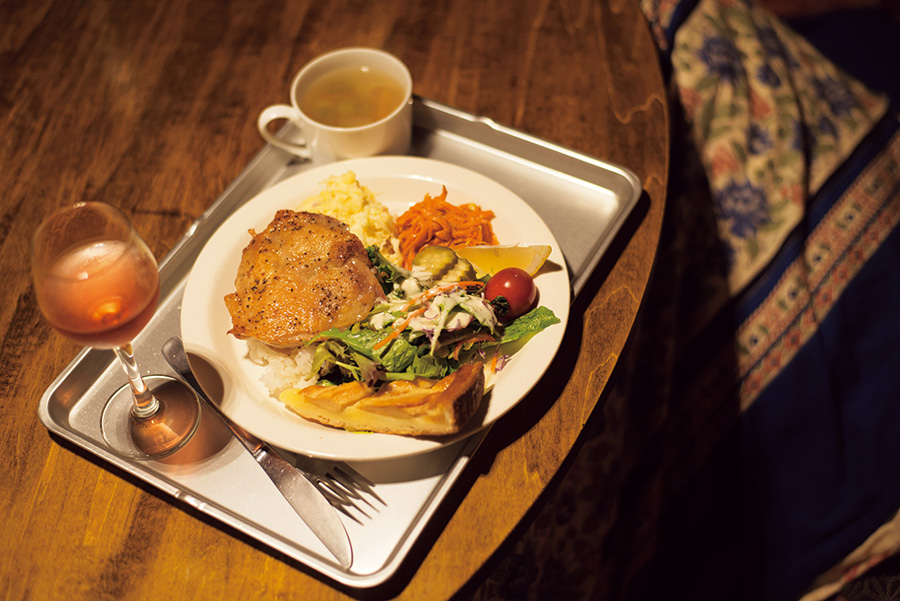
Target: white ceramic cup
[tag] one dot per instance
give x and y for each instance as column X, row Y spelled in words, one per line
column 322, row 143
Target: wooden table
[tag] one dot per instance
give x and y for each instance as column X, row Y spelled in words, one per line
column 151, row 106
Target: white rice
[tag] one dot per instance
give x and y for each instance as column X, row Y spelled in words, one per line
column 282, row 369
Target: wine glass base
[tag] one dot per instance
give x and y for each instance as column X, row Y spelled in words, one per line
column 159, row 435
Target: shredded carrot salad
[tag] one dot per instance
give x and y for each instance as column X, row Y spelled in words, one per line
column 434, row 221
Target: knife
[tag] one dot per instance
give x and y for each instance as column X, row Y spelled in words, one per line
column 309, row 503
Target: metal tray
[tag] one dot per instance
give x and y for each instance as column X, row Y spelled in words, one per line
column 584, row 201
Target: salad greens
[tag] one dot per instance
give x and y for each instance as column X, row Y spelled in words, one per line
column 419, row 332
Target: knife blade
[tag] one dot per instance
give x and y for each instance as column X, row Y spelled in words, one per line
column 309, row 503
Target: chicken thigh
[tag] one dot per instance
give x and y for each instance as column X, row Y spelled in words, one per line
column 303, row 274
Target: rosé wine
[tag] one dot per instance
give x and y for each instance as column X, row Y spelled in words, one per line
column 100, row 294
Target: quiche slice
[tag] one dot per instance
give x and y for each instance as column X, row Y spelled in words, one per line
column 418, row 407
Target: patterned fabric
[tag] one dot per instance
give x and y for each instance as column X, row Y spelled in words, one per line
column 772, row 120
column 881, row 545
column 802, row 166
column 750, row 448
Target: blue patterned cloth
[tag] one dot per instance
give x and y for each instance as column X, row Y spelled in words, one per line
column 803, row 168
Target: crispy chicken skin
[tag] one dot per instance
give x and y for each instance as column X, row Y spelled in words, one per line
column 305, row 273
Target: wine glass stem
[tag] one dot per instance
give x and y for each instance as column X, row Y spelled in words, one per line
column 145, row 404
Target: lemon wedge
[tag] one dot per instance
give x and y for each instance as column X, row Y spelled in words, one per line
column 491, row 259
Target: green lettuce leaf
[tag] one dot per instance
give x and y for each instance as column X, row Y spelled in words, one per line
column 531, row 323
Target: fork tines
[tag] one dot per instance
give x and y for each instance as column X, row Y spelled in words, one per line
column 346, row 489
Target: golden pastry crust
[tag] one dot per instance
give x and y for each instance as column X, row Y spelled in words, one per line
column 418, row 407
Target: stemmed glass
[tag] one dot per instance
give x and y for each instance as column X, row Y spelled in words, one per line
column 97, row 283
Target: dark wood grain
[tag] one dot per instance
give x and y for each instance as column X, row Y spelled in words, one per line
column 151, row 106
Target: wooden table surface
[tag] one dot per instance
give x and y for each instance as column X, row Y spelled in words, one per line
column 151, row 106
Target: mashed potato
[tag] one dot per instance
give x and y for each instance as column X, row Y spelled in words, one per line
column 345, row 199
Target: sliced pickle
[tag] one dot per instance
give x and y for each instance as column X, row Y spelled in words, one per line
column 440, row 265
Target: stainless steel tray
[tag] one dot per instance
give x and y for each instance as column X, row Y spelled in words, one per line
column 584, row 201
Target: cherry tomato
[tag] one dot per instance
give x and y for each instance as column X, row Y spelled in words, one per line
column 517, row 287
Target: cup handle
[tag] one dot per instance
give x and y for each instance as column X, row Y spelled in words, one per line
column 273, row 113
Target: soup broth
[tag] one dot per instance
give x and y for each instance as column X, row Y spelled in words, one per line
column 351, row 97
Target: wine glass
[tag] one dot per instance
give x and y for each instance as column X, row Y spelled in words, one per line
column 97, row 283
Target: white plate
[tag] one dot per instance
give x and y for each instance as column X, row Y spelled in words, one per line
column 398, row 183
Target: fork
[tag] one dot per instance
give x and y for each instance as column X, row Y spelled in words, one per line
column 344, row 487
